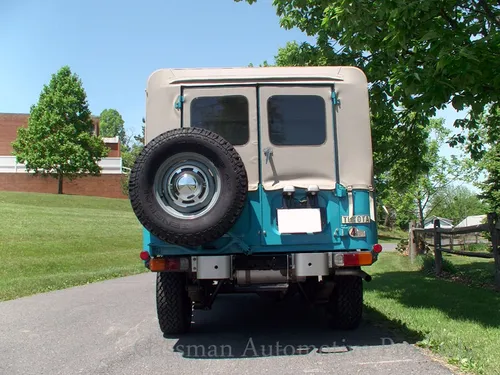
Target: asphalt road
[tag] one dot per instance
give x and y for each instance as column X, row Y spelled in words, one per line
column 388, row 246
column 111, row 328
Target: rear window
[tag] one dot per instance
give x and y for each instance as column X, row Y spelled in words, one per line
column 296, row 120
column 224, row 115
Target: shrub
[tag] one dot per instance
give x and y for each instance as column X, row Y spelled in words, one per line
column 402, row 246
column 124, row 183
column 427, row 264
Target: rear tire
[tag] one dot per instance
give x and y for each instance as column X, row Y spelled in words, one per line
column 346, row 302
column 174, row 307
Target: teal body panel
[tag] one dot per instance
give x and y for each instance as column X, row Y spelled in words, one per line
column 256, row 231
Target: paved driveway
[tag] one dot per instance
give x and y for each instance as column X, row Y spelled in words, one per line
column 111, row 328
column 388, row 246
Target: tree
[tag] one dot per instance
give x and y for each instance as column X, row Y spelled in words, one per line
column 419, row 56
column 264, row 64
column 140, row 138
column 59, row 140
column 456, row 203
column 428, row 183
column 111, row 124
column 130, row 155
column 490, row 188
column 400, row 208
column 488, row 134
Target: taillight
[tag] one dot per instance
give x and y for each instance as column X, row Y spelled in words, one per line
column 144, row 255
column 377, row 248
column 356, row 258
column 169, row 264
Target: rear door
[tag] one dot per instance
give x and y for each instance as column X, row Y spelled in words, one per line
column 230, row 112
column 297, row 150
column 297, row 130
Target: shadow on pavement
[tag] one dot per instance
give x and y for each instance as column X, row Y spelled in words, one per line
column 246, row 326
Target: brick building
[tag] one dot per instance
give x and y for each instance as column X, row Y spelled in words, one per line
column 14, row 177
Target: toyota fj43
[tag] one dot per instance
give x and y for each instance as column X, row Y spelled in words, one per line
column 256, row 180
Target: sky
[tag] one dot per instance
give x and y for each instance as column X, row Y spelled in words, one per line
column 114, row 45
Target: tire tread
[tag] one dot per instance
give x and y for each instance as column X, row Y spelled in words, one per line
column 347, row 302
column 172, row 303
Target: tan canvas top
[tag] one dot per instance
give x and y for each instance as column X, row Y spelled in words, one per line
column 355, row 165
column 260, row 74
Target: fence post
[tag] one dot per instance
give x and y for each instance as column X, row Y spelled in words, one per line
column 495, row 239
column 412, row 243
column 437, row 247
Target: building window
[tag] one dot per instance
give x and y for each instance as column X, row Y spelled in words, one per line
column 224, row 115
column 296, row 120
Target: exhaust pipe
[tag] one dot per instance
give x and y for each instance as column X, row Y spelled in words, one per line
column 353, row 272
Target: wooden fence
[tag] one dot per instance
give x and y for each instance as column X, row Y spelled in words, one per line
column 418, row 244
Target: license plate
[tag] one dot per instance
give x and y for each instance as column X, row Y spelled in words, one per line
column 356, row 219
column 299, row 220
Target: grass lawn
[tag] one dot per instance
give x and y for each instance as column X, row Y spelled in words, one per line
column 391, row 235
column 473, row 271
column 52, row 242
column 455, row 320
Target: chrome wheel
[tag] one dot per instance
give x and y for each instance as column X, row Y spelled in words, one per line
column 187, row 185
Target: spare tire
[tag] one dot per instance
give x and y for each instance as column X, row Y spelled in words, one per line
column 188, row 186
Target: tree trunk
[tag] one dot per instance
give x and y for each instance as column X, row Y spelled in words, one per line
column 420, row 212
column 495, row 239
column 437, row 248
column 60, row 183
column 412, row 242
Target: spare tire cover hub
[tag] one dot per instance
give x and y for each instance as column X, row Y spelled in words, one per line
column 187, row 186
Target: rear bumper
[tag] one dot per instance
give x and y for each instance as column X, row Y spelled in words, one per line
column 280, row 267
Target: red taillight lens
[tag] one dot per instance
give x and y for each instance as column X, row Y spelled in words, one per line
column 173, row 264
column 377, row 248
column 168, row 264
column 144, row 255
column 357, row 259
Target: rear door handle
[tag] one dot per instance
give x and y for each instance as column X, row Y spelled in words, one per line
column 268, row 151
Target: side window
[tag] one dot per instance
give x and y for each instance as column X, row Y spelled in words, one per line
column 224, row 115
column 296, row 120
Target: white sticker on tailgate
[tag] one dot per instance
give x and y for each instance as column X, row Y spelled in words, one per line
column 356, row 219
column 299, row 220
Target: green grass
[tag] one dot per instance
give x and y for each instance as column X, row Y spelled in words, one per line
column 391, row 235
column 455, row 320
column 478, row 272
column 479, row 247
column 51, row 242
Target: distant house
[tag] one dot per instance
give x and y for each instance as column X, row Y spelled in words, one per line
column 444, row 222
column 14, row 177
column 470, row 221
